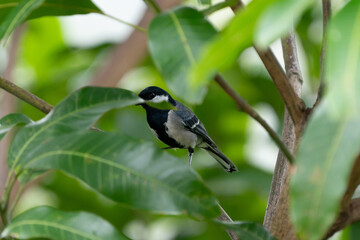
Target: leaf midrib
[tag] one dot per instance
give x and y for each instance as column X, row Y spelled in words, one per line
column 123, row 168
column 52, row 123
column 54, row 225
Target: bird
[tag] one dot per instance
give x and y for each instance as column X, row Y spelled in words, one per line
column 179, row 127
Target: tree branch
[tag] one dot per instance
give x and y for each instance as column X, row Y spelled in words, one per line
column 153, row 6
column 226, row 218
column 292, row 101
column 276, row 217
column 349, row 208
column 245, row 107
column 25, row 95
column 326, row 7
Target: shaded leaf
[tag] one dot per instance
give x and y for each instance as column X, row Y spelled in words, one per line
column 332, row 138
column 48, row 222
column 136, row 174
column 11, row 120
column 76, row 112
column 247, row 230
column 188, row 31
column 278, row 19
column 16, row 15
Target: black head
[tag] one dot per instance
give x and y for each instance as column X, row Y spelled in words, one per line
column 156, row 95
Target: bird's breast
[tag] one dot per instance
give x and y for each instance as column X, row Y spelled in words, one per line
column 175, row 129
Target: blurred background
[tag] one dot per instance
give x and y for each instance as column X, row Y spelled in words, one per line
column 52, row 57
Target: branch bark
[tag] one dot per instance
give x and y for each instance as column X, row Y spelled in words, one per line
column 226, row 218
column 349, row 208
column 245, row 107
column 277, row 218
column 292, row 100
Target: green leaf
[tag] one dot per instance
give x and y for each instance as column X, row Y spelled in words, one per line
column 134, row 173
column 278, row 19
column 48, row 222
column 65, row 8
column 76, row 112
column 223, row 51
column 331, row 141
column 188, row 31
column 344, row 50
column 247, row 230
column 16, row 15
column 11, row 120
column 14, row 12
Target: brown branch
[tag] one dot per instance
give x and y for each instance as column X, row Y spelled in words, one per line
column 349, row 208
column 326, row 8
column 277, row 212
column 226, row 218
column 245, row 107
column 292, row 101
column 128, row 54
column 25, row 95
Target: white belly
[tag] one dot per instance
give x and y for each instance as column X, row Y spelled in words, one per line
column 176, row 130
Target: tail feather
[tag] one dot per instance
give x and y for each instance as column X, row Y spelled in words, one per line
column 222, row 159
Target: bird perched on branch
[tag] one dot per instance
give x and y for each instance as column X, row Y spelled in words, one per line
column 178, row 127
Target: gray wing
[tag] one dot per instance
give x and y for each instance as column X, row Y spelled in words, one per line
column 192, row 123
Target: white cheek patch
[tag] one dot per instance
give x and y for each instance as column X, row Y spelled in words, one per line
column 160, row 98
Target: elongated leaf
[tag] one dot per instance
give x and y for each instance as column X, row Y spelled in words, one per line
column 176, row 39
column 17, row 15
column 52, row 8
column 223, row 51
column 76, row 112
column 48, row 222
column 248, row 230
column 13, row 12
column 332, row 139
column 134, row 173
column 11, row 120
column 278, row 19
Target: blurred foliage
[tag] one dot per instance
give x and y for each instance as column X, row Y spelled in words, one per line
column 51, row 69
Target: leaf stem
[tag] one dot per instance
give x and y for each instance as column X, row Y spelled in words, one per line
column 245, row 107
column 218, row 6
column 141, row 29
column 153, row 6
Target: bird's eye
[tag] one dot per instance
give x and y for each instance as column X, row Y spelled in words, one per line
column 152, row 95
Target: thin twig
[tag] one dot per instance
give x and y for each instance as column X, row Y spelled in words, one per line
column 141, row 29
column 326, row 7
column 218, row 6
column 152, row 4
column 25, row 96
column 245, row 107
column 224, row 217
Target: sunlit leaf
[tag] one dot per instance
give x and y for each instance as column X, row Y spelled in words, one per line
column 134, row 173
column 16, row 15
column 332, row 139
column 223, row 51
column 11, row 120
column 48, row 222
column 278, row 19
column 247, row 230
column 176, row 39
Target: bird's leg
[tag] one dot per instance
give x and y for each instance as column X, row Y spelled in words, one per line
column 191, row 152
